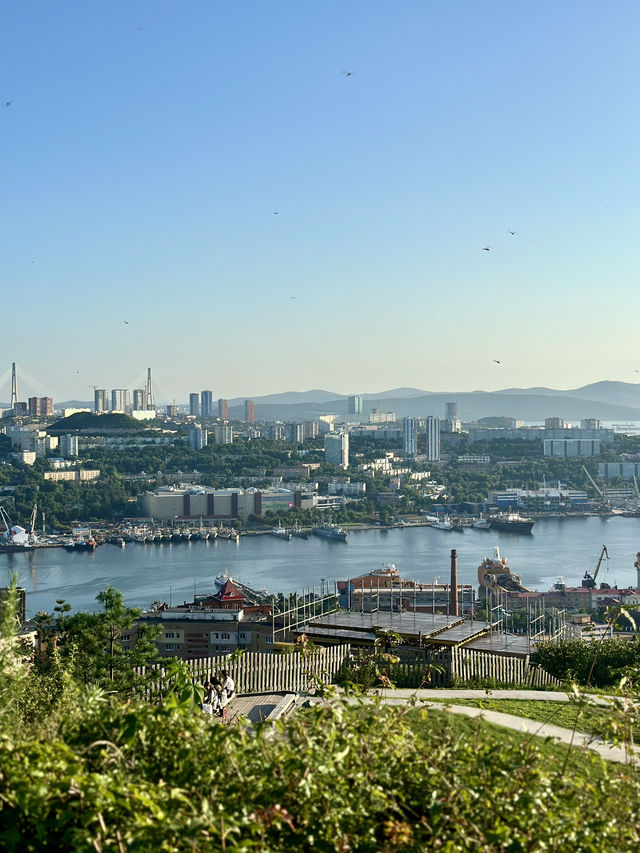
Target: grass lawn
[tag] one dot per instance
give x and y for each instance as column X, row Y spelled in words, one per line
column 589, row 719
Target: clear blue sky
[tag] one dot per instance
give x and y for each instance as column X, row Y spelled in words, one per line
column 148, row 144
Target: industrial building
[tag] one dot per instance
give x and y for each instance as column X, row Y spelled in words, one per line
column 167, row 503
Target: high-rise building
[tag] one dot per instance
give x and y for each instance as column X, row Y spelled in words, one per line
column 554, row 423
column 590, row 423
column 120, row 400
column 223, row 409
column 276, row 431
column 249, row 411
column 409, row 434
column 198, row 437
column 223, row 434
column 311, row 429
column 138, row 399
column 295, row 433
column 40, row 407
column 100, row 400
column 206, row 404
column 336, row 449
column 451, row 411
column 172, row 410
column 194, row 405
column 433, row 439
column 68, row 446
column 354, row 405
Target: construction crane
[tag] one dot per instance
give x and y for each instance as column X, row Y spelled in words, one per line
column 595, row 486
column 589, row 581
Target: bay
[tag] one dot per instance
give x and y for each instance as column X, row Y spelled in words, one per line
column 173, row 572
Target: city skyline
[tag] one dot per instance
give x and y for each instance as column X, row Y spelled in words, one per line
column 345, row 197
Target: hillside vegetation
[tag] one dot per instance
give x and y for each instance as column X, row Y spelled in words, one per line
column 83, row 768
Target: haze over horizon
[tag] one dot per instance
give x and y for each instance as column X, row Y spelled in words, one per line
column 261, row 197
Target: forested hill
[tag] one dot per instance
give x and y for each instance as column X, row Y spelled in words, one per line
column 87, row 421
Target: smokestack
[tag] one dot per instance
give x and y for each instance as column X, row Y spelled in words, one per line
column 637, row 565
column 453, row 587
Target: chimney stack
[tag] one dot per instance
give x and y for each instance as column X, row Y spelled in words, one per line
column 453, row 587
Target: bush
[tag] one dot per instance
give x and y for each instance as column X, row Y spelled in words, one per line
column 600, row 664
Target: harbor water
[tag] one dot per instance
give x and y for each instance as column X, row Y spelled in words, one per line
column 173, row 572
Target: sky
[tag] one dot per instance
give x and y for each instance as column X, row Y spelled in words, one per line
column 269, row 196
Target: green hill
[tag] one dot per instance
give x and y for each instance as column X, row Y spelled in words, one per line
column 97, row 424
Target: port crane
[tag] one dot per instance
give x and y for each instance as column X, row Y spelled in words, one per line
column 589, row 581
column 595, row 486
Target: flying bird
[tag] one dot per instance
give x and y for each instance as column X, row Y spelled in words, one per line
column 126, row 322
column 8, row 103
column 347, row 73
column 486, row 248
column 275, row 212
column 513, row 233
column 496, row 361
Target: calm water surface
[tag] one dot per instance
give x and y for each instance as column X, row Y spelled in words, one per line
column 172, row 572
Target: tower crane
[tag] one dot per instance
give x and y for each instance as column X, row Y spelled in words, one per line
column 589, row 581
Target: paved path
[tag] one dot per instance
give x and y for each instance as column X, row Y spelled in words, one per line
column 511, row 721
column 439, row 694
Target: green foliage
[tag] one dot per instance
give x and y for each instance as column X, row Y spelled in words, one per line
column 600, row 664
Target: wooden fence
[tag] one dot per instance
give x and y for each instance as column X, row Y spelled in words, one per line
column 255, row 672
column 458, row 666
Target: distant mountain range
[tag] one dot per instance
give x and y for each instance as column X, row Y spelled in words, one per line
column 609, row 401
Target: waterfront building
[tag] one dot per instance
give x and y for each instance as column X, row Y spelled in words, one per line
column 354, row 405
column 120, row 400
column 100, row 400
column 206, row 404
column 138, row 400
column 198, row 437
column 168, row 503
column 68, row 446
column 570, row 447
column 223, row 409
column 336, row 449
column 409, row 446
column 194, row 405
column 249, row 411
column 433, row 439
column 40, row 407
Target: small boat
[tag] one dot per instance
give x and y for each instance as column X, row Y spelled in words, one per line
column 481, row 524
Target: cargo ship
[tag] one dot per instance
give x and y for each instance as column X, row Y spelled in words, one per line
column 330, row 531
column 494, row 575
column 511, row 522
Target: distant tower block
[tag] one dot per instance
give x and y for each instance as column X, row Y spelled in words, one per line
column 451, row 411
column 149, row 402
column 637, row 565
column 249, row 411
column 14, row 386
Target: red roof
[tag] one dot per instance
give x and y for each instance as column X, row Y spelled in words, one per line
column 228, row 592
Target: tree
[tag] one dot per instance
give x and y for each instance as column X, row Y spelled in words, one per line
column 105, row 648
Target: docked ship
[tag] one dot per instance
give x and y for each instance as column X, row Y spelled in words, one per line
column 494, row 575
column 511, row 522
column 330, row 531
column 16, row 539
column 281, row 532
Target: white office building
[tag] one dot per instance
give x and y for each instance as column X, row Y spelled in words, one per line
column 433, row 439
column 336, row 449
column 409, row 433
